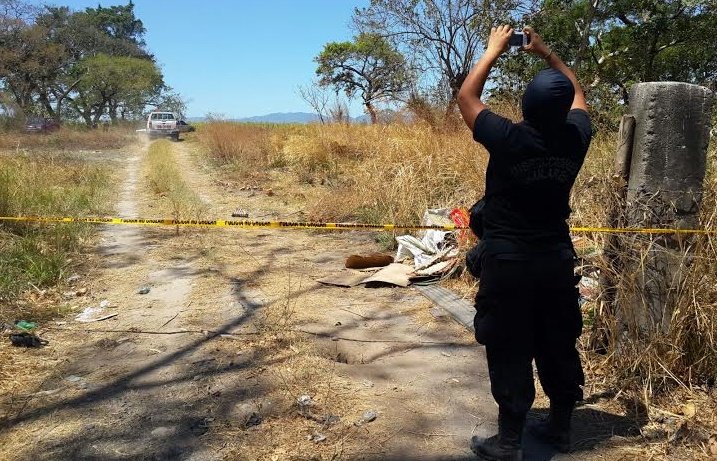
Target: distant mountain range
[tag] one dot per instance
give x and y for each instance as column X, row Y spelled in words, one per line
column 282, row 117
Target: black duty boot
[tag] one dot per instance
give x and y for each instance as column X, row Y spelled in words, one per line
column 505, row 446
column 492, row 449
column 555, row 429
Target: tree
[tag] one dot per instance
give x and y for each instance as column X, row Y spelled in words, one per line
column 119, row 23
column 114, row 85
column 170, row 101
column 317, row 98
column 656, row 40
column 27, row 60
column 442, row 36
column 113, row 31
column 368, row 67
column 14, row 15
column 615, row 43
column 79, row 64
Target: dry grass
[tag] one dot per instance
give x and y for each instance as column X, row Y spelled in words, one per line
column 391, row 173
column 400, row 171
column 68, row 139
column 384, row 173
column 685, row 352
column 241, row 146
column 166, row 180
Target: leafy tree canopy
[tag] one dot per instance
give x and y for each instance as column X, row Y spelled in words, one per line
column 368, row 67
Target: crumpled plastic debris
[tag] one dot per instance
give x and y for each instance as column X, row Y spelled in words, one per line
column 589, row 288
column 25, row 325
column 434, row 246
column 88, row 314
column 304, row 401
column 26, row 339
column 316, row 437
column 367, row 417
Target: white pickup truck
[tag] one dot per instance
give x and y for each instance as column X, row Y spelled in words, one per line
column 162, row 124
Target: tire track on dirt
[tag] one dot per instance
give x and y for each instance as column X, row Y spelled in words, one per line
column 124, row 393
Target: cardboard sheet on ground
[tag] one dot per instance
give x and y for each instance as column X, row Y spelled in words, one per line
column 393, row 274
column 345, row 278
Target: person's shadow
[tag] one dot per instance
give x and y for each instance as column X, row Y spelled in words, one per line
column 590, row 428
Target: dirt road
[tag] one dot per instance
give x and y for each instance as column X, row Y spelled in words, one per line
column 210, row 363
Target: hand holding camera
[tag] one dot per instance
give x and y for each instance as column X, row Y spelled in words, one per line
column 499, row 40
column 535, row 43
column 504, row 37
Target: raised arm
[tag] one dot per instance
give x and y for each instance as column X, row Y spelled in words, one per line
column 538, row 47
column 469, row 96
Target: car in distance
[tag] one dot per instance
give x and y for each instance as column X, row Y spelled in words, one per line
column 185, row 127
column 41, row 125
column 161, row 124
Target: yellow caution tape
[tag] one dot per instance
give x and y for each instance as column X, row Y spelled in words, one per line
column 228, row 223
column 642, row 230
column 246, row 224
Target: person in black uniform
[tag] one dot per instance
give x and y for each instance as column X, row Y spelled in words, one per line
column 527, row 303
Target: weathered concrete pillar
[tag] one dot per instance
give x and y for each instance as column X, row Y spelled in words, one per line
column 667, row 169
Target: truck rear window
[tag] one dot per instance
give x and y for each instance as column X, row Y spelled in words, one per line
column 162, row 117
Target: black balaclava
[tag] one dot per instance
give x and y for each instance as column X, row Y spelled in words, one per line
column 547, row 99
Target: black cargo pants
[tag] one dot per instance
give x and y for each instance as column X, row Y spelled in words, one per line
column 527, row 309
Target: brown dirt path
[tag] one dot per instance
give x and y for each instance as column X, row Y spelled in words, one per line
column 210, row 363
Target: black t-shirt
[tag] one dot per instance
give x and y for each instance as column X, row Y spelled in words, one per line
column 529, row 177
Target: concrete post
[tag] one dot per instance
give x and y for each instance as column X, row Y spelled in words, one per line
column 667, row 169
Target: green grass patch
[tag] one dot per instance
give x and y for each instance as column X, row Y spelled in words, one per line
column 38, row 255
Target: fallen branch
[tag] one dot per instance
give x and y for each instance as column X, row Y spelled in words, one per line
column 355, row 313
column 176, row 332
column 99, row 319
column 175, row 315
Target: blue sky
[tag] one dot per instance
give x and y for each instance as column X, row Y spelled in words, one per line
column 239, row 58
